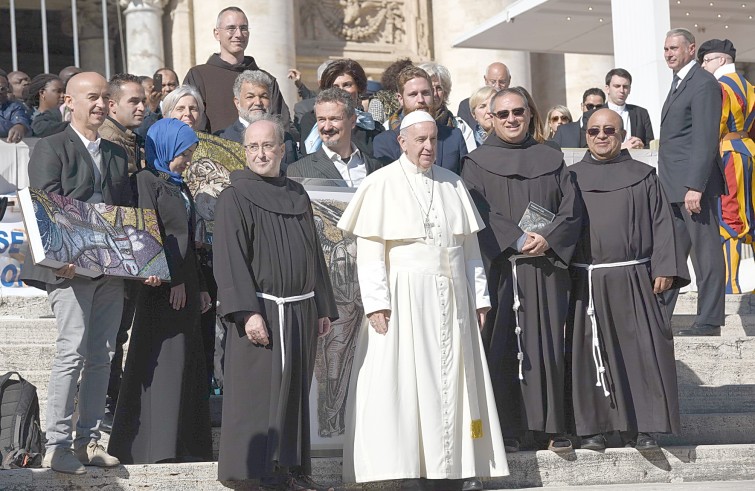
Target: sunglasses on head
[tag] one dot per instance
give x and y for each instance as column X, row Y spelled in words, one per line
column 590, row 107
column 504, row 113
column 555, row 119
column 608, row 130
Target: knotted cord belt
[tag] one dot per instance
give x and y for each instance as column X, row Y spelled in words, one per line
column 515, row 308
column 596, row 355
column 281, row 301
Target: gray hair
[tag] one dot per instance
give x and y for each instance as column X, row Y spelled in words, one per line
column 334, row 94
column 170, row 101
column 254, row 77
column 280, row 132
column 480, row 95
column 680, row 31
column 437, row 70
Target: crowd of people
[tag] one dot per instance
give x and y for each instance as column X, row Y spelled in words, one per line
column 509, row 299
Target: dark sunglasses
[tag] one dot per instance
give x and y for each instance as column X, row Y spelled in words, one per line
column 608, row 130
column 555, row 119
column 590, row 107
column 504, row 113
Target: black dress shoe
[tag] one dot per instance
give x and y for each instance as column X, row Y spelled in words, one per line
column 511, row 445
column 593, row 442
column 645, row 442
column 701, row 330
column 106, row 425
column 473, row 484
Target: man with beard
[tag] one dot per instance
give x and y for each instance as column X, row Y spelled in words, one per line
column 214, row 79
column 526, row 267
column 278, row 297
column 415, row 93
column 622, row 359
column 251, row 96
column 338, row 161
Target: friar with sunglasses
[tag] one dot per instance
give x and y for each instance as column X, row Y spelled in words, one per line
column 572, row 135
column 509, row 174
column 214, row 80
column 619, row 344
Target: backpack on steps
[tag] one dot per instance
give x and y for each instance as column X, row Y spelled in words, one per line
column 20, row 434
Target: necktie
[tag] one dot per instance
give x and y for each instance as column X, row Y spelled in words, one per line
column 674, row 83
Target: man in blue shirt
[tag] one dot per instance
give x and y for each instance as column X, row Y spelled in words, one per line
column 14, row 120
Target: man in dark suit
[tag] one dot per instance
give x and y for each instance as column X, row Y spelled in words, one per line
column 78, row 164
column 636, row 119
column 572, row 135
column 251, row 96
column 497, row 76
column 416, row 94
column 691, row 172
column 338, row 162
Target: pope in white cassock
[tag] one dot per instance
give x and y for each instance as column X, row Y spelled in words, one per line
column 421, row 404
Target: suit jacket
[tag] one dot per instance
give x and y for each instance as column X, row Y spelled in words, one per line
column 318, row 166
column 451, row 147
column 235, row 133
column 640, row 126
column 570, row 135
column 688, row 157
column 61, row 164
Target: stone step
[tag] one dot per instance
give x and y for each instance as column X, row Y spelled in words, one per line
column 707, row 399
column 16, row 330
column 528, row 469
column 713, row 429
column 27, row 307
column 737, row 325
column 734, row 304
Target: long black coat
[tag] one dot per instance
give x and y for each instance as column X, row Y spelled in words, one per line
column 628, row 218
column 266, row 241
column 163, row 407
column 503, row 179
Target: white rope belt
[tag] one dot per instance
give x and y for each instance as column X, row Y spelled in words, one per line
column 281, row 301
column 517, row 304
column 596, row 355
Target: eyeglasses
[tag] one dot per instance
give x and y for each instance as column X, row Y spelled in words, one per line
column 3, row 90
column 590, row 107
column 556, row 119
column 255, row 148
column 708, row 60
column 504, row 113
column 608, row 131
column 231, row 29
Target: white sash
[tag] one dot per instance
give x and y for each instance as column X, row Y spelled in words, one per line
column 281, row 301
column 596, row 355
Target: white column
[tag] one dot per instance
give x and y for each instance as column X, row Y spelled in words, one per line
column 639, row 31
column 144, row 35
column 467, row 66
column 271, row 37
column 179, row 26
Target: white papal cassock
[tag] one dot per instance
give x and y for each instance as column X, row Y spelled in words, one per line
column 418, row 393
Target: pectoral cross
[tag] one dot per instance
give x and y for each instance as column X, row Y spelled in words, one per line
column 428, row 228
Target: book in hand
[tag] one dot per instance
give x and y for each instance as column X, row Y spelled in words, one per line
column 99, row 239
column 535, row 218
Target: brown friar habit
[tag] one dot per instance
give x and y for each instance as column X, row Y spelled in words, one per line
column 627, row 218
column 266, row 242
column 502, row 179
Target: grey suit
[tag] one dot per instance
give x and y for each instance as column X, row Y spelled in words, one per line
column 87, row 312
column 689, row 159
column 317, row 169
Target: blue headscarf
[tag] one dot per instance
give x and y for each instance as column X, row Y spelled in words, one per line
column 166, row 139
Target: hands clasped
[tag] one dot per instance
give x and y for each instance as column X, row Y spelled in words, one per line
column 535, row 245
column 379, row 320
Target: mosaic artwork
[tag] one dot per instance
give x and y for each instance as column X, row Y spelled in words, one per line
column 207, row 175
column 99, row 239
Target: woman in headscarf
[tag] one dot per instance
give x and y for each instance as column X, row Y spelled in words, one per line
column 163, row 410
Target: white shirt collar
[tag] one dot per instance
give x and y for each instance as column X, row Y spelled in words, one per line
column 334, row 156
column 685, row 70
column 725, row 70
column 243, row 122
column 86, row 141
column 618, row 109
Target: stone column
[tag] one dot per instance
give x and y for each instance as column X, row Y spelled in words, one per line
column 144, row 35
column 584, row 72
column 467, row 66
column 178, row 27
column 639, row 31
column 91, row 49
column 548, row 80
column 271, row 37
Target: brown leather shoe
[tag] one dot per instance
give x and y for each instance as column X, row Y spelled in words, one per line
column 303, row 482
